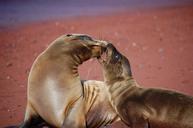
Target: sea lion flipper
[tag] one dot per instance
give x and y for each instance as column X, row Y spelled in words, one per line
column 31, row 118
column 75, row 118
column 139, row 123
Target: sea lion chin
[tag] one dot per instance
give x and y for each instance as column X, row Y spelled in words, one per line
column 140, row 107
column 55, row 93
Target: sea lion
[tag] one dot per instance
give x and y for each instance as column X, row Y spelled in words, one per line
column 55, row 93
column 140, row 107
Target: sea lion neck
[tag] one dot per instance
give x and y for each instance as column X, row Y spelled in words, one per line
column 78, row 57
column 115, row 73
column 111, row 82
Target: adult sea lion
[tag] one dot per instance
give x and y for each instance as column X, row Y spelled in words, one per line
column 140, row 107
column 55, row 93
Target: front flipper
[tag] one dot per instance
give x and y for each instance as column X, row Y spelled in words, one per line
column 132, row 114
column 76, row 116
column 139, row 123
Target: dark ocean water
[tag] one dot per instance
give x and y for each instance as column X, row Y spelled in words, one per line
column 20, row 11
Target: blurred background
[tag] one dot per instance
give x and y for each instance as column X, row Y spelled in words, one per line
column 22, row 11
column 155, row 35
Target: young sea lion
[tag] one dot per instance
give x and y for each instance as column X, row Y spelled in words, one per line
column 140, row 107
column 55, row 93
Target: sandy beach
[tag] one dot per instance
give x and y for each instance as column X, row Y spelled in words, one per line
column 158, row 42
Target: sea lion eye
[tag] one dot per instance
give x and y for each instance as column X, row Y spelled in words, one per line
column 115, row 58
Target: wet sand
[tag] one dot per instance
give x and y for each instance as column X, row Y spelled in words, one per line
column 158, row 43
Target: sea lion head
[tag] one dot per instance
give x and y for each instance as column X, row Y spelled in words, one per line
column 96, row 47
column 115, row 66
column 79, row 46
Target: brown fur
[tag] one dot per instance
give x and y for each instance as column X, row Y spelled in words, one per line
column 55, row 92
column 142, row 107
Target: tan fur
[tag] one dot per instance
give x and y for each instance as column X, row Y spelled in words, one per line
column 142, row 107
column 55, row 92
column 99, row 109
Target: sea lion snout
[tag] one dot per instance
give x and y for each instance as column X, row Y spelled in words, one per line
column 110, row 55
column 97, row 47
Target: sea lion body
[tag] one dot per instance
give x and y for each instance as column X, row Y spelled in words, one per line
column 55, row 93
column 156, row 107
column 140, row 107
column 100, row 112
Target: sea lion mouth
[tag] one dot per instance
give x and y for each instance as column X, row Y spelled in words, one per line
column 103, row 57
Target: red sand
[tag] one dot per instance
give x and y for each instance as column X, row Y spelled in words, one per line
column 158, row 43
